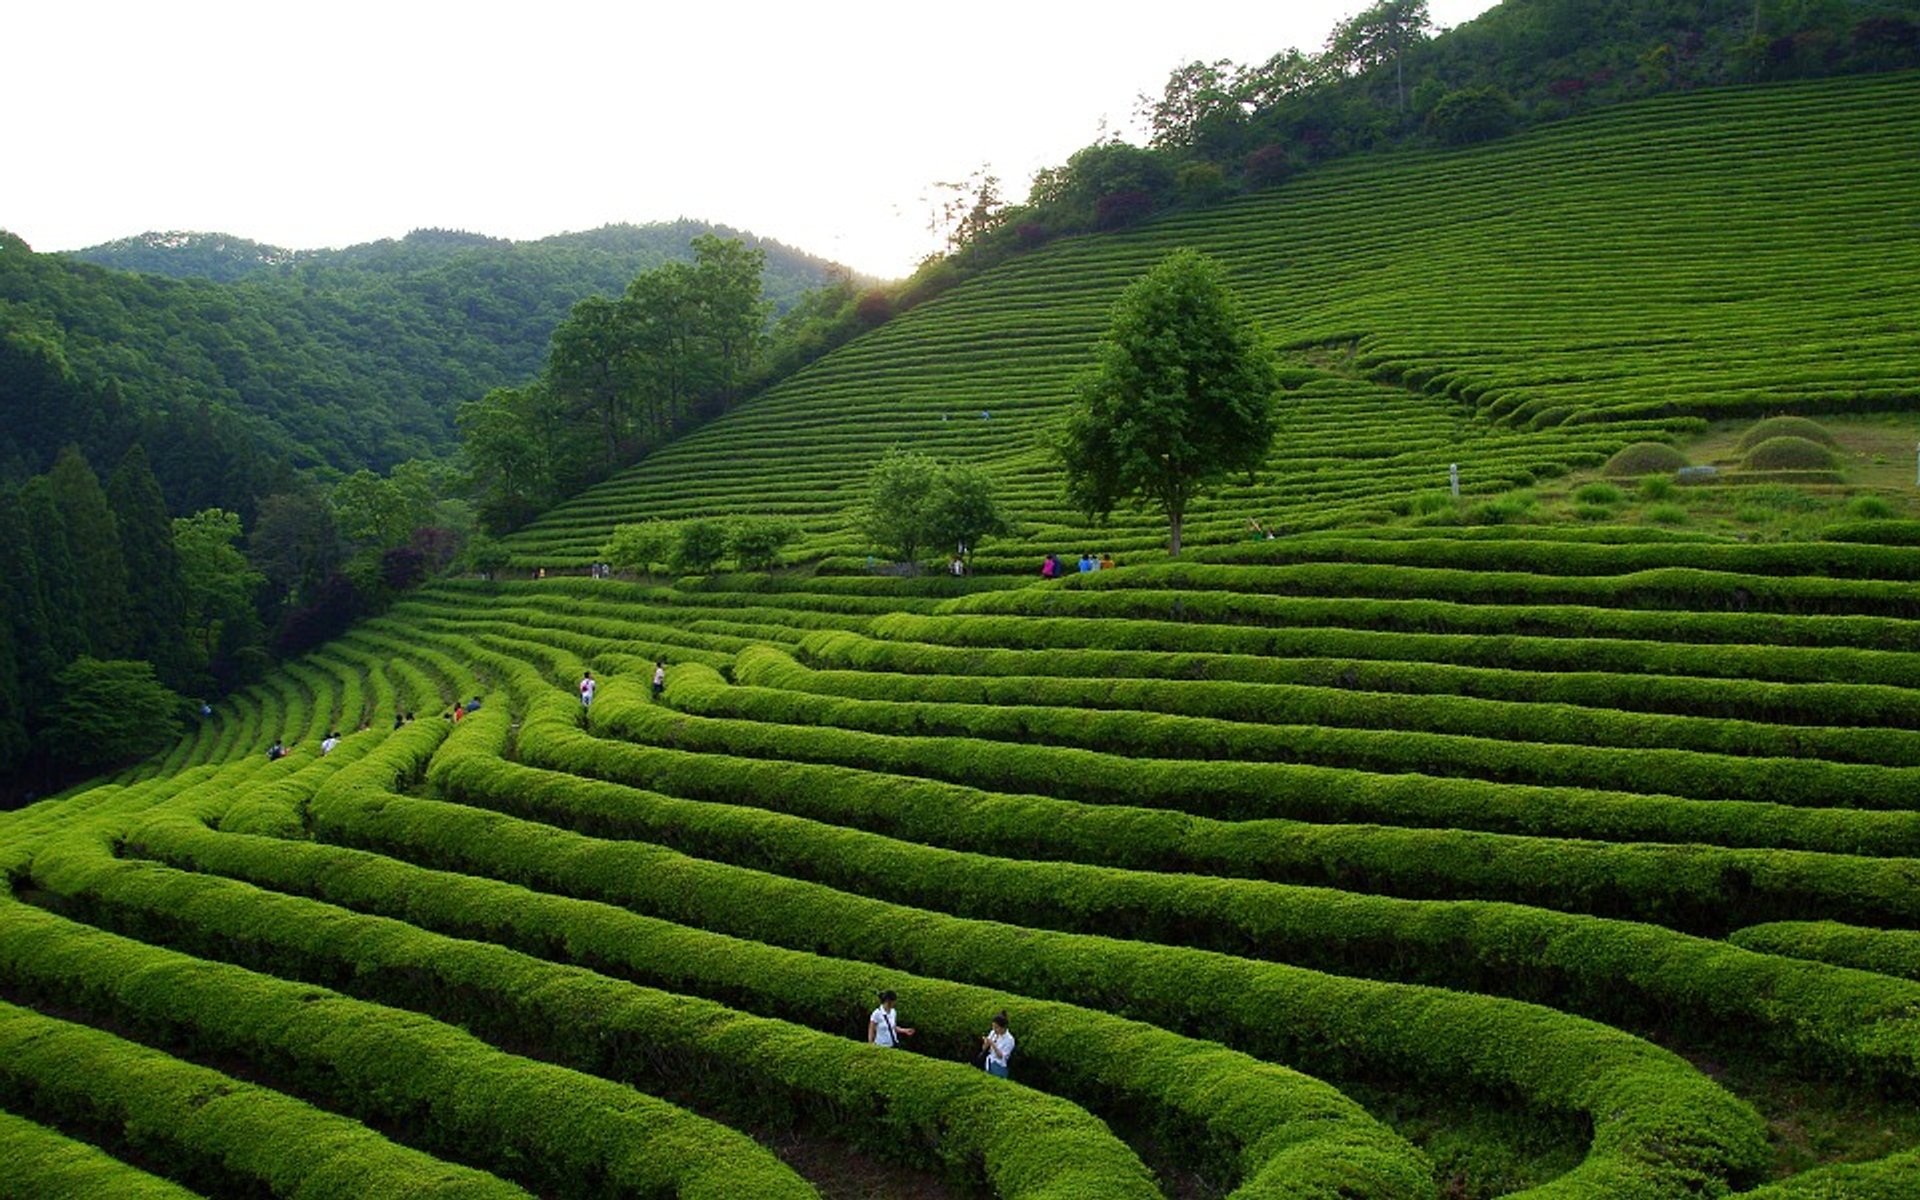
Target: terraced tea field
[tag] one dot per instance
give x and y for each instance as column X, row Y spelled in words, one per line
column 1377, row 860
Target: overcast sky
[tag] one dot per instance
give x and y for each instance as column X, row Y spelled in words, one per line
column 307, row 125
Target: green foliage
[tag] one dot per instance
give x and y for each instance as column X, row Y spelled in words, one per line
column 1182, row 397
column 1870, row 508
column 1471, row 115
column 1787, row 452
column 110, row 712
column 755, row 542
column 1597, row 493
column 1788, row 426
column 1656, row 487
column 219, row 586
column 1667, row 514
column 698, row 545
column 913, row 504
column 1645, row 458
column 637, row 547
column 895, row 514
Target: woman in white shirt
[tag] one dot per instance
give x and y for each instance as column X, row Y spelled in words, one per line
column 998, row 1044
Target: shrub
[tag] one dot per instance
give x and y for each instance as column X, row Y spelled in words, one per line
column 638, row 546
column 1645, row 458
column 1667, row 514
column 1268, row 166
column 1117, row 210
column 1656, row 487
column 1870, row 508
column 755, row 542
column 1471, row 115
column 1432, row 502
column 699, row 545
column 1789, row 453
column 110, row 711
column 1774, row 427
column 1598, row 493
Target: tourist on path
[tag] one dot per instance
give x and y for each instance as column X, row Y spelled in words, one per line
column 586, row 690
column 882, row 1027
column 997, row 1044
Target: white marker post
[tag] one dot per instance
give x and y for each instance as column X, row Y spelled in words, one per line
column 1453, row 479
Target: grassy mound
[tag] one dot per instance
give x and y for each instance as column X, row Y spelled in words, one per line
column 1645, row 458
column 1789, row 453
column 1774, row 427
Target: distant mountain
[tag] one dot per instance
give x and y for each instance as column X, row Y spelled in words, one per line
column 327, row 358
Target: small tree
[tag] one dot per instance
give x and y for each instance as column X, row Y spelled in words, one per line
column 1181, row 396
column 485, row 556
column 110, row 712
column 699, row 546
column 899, row 497
column 755, row 542
column 637, row 547
column 915, row 503
column 963, row 511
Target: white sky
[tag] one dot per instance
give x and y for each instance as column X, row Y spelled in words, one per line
column 820, row 124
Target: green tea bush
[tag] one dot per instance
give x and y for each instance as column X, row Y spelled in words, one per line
column 1787, row 452
column 1667, row 514
column 1656, row 487
column 1789, row 426
column 1600, row 494
column 1870, row 508
column 1645, row 458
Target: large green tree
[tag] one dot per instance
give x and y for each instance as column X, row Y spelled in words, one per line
column 156, row 611
column 1180, row 397
column 93, row 544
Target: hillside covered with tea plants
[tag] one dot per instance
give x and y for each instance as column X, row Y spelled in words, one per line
column 1557, row 839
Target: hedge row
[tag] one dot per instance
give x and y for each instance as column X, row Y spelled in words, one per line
column 1303, row 704
column 549, row 1128
column 1540, row 554
column 44, row 1165
column 1753, row 700
column 1536, row 752
column 217, row 1133
column 1695, row 621
column 1506, row 642
column 1660, row 1128
column 941, row 1115
column 1836, row 1021
column 1704, row 888
column 1285, row 1133
column 1893, row 952
column 1238, row 791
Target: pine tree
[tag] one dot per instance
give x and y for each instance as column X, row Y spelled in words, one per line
column 156, row 612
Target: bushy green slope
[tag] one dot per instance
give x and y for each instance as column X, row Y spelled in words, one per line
column 1566, row 861
column 1736, row 252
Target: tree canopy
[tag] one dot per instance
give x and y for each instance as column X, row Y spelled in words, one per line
column 1180, row 397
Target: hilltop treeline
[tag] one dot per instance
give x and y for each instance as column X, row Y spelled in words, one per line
column 1384, row 79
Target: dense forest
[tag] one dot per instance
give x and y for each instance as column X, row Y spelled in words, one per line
column 331, row 359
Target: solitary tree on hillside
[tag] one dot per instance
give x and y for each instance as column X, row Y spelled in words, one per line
column 1181, row 397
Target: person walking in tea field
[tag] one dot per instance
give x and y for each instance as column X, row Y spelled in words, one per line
column 1106, row 562
column 659, row 677
column 997, row 1045
column 882, row 1027
column 586, row 690
column 1050, row 567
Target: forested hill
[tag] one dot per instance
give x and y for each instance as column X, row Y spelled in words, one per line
column 342, row 358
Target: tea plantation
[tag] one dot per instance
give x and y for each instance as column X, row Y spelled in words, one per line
column 1531, row 842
